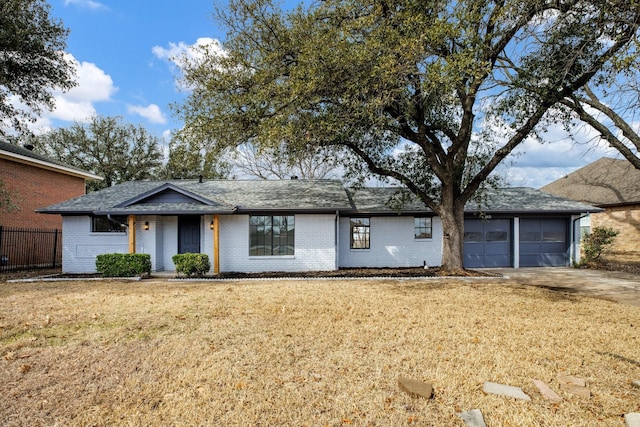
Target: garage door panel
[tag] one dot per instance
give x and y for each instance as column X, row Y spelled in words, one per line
column 487, row 243
column 543, row 242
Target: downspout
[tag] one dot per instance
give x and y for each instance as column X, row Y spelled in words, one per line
column 574, row 244
column 337, row 240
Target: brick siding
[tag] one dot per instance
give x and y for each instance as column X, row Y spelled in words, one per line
column 624, row 219
column 36, row 188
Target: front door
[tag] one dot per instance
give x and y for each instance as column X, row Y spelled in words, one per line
column 188, row 234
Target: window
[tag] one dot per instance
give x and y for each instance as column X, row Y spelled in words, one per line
column 359, row 233
column 102, row 224
column 271, row 235
column 422, row 228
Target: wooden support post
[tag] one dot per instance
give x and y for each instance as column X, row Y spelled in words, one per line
column 132, row 233
column 216, row 244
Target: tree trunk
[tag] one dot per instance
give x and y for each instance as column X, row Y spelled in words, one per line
column 452, row 218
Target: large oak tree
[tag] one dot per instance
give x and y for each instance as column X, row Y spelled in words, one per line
column 431, row 94
column 32, row 61
column 106, row 146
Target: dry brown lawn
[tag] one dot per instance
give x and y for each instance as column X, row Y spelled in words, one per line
column 310, row 353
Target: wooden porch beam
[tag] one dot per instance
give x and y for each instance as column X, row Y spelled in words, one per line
column 131, row 221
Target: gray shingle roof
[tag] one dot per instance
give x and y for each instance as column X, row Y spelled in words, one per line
column 224, row 196
column 503, row 200
column 229, row 196
column 604, row 182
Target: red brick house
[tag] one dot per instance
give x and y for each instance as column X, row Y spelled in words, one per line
column 34, row 181
column 613, row 185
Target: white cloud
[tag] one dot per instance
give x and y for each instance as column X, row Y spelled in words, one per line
column 179, row 53
column 535, row 164
column 89, row 4
column 151, row 112
column 94, row 85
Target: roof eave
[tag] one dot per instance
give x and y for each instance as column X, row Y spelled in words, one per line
column 50, row 166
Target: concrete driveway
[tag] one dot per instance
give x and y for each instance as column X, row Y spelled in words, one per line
column 611, row 285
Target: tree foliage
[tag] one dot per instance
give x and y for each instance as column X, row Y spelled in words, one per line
column 32, row 61
column 106, row 146
column 190, row 160
column 431, row 94
column 7, row 199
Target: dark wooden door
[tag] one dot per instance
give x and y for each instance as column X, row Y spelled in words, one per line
column 188, row 234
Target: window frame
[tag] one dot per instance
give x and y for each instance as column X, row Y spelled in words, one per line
column 270, row 239
column 102, row 224
column 366, row 229
column 417, row 227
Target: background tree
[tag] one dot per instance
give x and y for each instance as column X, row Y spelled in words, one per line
column 32, row 61
column 190, row 160
column 282, row 163
column 431, row 94
column 107, row 147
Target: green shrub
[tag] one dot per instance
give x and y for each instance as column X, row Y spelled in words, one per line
column 191, row 264
column 123, row 265
column 595, row 243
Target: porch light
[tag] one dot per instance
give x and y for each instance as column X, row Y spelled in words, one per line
column 211, row 225
column 146, row 225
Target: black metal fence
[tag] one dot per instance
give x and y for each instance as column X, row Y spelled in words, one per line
column 24, row 249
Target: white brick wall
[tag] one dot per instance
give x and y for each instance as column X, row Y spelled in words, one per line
column 314, row 246
column 392, row 244
column 80, row 246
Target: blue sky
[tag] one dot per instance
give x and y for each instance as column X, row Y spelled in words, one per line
column 123, row 50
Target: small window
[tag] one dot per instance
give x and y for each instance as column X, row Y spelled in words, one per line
column 271, row 235
column 102, row 224
column 497, row 236
column 473, row 236
column 422, row 228
column 360, row 233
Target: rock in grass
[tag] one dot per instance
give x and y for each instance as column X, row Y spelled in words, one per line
column 574, row 385
column 546, row 391
column 636, row 383
column 415, row 388
column 632, row 419
column 505, row 390
column 568, row 379
column 472, row 418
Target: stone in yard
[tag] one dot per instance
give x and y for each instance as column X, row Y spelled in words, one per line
column 568, row 379
column 472, row 418
column 546, row 391
column 632, row 419
column 636, row 383
column 505, row 390
column 576, row 390
column 574, row 385
column 415, row 388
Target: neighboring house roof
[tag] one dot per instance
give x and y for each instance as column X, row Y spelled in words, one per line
column 177, row 197
column 20, row 154
column 605, row 182
column 502, row 200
